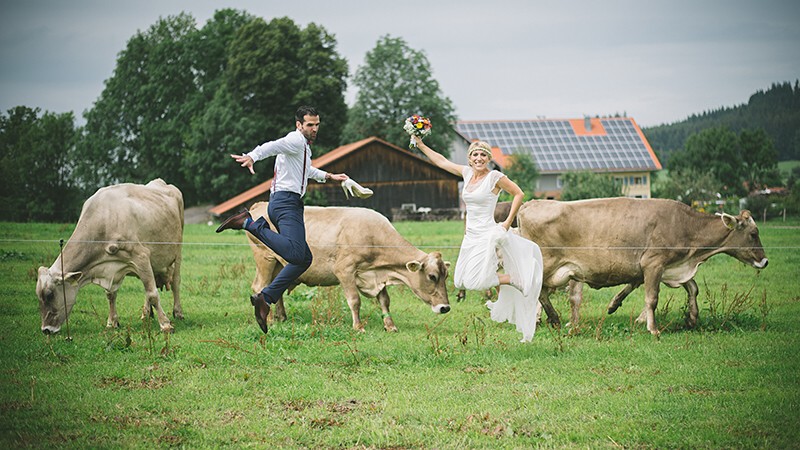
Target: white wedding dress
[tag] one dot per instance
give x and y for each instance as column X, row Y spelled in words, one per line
column 478, row 262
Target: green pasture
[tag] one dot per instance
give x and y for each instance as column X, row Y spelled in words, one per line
column 453, row 381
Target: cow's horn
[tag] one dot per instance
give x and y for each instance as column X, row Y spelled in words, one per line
column 728, row 225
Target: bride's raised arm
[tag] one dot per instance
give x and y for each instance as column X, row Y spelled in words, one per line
column 438, row 159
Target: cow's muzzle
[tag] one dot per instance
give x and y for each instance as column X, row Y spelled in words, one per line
column 441, row 309
column 761, row 264
column 49, row 329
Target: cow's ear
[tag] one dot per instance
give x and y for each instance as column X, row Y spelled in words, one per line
column 413, row 266
column 73, row 277
column 746, row 218
column 447, row 265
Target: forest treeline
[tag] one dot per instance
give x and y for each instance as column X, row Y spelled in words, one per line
column 775, row 110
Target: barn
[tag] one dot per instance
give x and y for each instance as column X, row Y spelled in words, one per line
column 398, row 178
column 615, row 146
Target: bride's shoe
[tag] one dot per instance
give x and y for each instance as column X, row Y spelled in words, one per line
column 353, row 189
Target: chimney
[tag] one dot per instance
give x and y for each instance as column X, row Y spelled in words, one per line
column 587, row 123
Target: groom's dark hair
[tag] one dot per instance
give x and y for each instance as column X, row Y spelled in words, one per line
column 303, row 111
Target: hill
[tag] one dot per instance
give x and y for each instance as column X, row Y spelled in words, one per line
column 776, row 110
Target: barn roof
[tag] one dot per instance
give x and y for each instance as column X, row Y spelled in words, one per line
column 328, row 162
column 562, row 145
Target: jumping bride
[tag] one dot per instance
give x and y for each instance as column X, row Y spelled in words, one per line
column 477, row 265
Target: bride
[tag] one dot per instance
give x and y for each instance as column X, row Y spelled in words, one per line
column 477, row 263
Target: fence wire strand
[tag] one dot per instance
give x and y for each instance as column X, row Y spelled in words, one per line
column 234, row 244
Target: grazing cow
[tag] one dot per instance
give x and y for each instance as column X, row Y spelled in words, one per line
column 613, row 241
column 125, row 229
column 360, row 250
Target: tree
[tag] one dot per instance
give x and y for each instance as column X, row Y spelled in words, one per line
column 394, row 83
column 739, row 163
column 776, row 110
column 181, row 99
column 272, row 69
column 585, row 184
column 136, row 130
column 690, row 187
column 35, row 155
column 760, row 159
column 714, row 150
column 522, row 170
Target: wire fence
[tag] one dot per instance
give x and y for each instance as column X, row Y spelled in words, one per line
column 313, row 244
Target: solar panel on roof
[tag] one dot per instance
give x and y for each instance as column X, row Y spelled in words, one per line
column 555, row 146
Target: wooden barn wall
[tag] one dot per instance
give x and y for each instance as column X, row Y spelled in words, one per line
column 394, row 178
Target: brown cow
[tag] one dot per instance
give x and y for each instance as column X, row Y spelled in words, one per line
column 125, row 229
column 613, row 241
column 360, row 250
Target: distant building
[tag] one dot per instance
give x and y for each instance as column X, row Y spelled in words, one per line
column 615, row 146
column 399, row 179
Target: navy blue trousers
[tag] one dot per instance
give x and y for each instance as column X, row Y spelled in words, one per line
column 285, row 211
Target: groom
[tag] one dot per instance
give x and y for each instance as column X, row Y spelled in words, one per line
column 292, row 171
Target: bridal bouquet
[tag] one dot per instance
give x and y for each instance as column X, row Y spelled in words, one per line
column 417, row 125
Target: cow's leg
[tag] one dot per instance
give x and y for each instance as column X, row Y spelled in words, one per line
column 113, row 317
column 354, row 302
column 350, row 290
column 552, row 314
column 344, row 272
column 575, row 298
column 616, row 302
column 652, row 283
column 278, row 311
column 177, row 309
column 383, row 299
column 141, row 260
column 692, row 313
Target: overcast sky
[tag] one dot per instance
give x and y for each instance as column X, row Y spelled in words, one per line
column 656, row 61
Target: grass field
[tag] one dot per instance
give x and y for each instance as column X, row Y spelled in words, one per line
column 453, row 381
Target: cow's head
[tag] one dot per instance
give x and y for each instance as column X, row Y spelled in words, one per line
column 743, row 242
column 51, row 288
column 427, row 280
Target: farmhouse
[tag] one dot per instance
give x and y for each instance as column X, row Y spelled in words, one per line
column 615, row 146
column 397, row 177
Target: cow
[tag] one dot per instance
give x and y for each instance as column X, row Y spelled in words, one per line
column 360, row 250
column 124, row 229
column 613, row 241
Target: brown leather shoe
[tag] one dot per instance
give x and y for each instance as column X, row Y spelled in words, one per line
column 234, row 222
column 261, row 309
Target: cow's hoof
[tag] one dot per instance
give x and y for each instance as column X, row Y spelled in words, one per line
column 167, row 328
column 656, row 334
column 390, row 329
column 177, row 314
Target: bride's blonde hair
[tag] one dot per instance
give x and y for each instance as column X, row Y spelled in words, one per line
column 482, row 146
